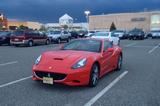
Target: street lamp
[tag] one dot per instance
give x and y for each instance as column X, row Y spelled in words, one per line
column 87, row 17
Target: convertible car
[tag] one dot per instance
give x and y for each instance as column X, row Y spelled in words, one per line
column 80, row 62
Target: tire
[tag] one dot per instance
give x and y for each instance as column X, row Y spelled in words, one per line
column 30, row 43
column 69, row 39
column 47, row 42
column 94, row 76
column 119, row 63
column 59, row 41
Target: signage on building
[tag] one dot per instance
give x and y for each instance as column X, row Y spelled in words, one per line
column 138, row 19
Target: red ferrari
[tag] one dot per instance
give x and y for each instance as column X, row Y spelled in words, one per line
column 80, row 62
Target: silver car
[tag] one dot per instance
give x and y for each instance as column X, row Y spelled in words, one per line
column 58, row 36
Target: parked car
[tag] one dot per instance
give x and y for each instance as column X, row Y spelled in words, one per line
column 136, row 34
column 58, row 36
column 28, row 38
column 90, row 33
column 74, row 34
column 82, row 33
column 80, row 62
column 155, row 34
column 107, row 35
column 5, row 37
column 122, row 34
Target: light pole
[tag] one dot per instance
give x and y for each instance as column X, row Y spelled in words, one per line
column 87, row 17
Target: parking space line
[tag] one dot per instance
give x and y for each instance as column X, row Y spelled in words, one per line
column 153, row 49
column 107, row 88
column 8, row 63
column 131, row 44
column 13, row 82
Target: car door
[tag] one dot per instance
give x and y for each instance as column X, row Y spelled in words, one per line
column 107, row 57
column 66, row 35
column 62, row 35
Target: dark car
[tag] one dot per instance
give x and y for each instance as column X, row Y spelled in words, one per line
column 82, row 33
column 74, row 34
column 28, row 38
column 136, row 34
column 122, row 34
column 5, row 37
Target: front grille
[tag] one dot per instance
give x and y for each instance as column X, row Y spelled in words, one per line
column 55, row 76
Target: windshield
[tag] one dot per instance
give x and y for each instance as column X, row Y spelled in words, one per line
column 156, row 31
column 57, row 32
column 118, row 31
column 101, row 34
column 18, row 33
column 91, row 31
column 4, row 33
column 84, row 45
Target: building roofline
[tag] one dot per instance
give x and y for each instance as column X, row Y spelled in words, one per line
column 111, row 14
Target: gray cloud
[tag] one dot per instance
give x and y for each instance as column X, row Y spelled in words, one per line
column 51, row 10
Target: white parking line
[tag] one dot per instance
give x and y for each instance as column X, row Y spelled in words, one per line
column 131, row 44
column 13, row 82
column 8, row 63
column 100, row 94
column 153, row 49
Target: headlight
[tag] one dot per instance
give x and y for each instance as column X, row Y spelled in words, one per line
column 38, row 60
column 3, row 38
column 80, row 64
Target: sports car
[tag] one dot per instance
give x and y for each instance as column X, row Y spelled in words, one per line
column 79, row 62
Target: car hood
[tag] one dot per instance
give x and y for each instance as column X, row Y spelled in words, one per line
column 55, row 35
column 63, row 58
column 100, row 37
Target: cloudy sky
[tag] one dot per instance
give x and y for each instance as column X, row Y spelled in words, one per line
column 50, row 10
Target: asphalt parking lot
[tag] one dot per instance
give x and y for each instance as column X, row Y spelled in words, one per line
column 139, row 86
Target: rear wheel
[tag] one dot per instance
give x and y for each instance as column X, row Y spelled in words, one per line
column 30, row 43
column 47, row 42
column 94, row 76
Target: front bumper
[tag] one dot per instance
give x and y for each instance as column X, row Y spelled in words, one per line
column 24, row 42
column 135, row 37
column 68, row 76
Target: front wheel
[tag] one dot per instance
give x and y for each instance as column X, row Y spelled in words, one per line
column 59, row 41
column 69, row 39
column 94, row 76
column 119, row 63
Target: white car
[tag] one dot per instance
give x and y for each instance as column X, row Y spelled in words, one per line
column 155, row 34
column 107, row 35
column 90, row 33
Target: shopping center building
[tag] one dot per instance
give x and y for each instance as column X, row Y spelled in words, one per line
column 12, row 25
column 3, row 21
column 126, row 21
column 68, row 21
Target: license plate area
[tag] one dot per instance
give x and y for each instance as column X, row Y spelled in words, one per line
column 16, row 39
column 48, row 80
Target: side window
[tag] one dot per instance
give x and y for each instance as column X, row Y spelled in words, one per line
column 114, row 35
column 65, row 32
column 107, row 45
column 29, row 34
